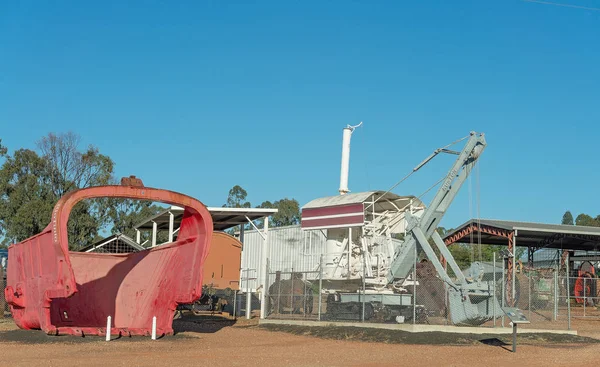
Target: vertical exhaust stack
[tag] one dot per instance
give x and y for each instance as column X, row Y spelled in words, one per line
column 346, row 158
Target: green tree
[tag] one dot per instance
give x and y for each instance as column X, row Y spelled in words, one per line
column 237, row 198
column 126, row 213
column 567, row 218
column 26, row 197
column 3, row 149
column 586, row 220
column 31, row 183
column 288, row 212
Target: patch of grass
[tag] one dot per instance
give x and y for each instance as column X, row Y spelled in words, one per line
column 427, row 338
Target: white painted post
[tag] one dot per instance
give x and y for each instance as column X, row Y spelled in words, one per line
column 154, row 230
column 494, row 285
column 248, row 295
column 108, row 328
column 514, row 266
column 556, row 297
column 263, row 270
column 138, row 236
column 171, row 224
column 349, row 249
column 154, row 328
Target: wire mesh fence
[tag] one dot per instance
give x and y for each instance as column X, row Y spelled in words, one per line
column 550, row 299
column 4, row 308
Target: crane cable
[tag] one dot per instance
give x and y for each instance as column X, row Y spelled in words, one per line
column 415, row 170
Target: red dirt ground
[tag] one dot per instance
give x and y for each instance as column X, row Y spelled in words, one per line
column 243, row 344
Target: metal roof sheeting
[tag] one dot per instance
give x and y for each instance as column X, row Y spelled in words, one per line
column 384, row 200
column 532, row 234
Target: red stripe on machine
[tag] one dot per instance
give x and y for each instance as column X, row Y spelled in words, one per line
column 333, row 210
column 330, row 222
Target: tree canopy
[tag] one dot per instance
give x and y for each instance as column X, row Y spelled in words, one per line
column 581, row 220
column 567, row 218
column 288, row 209
column 237, row 198
column 288, row 212
column 32, row 181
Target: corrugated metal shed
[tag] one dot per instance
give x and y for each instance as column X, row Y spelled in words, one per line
column 290, row 249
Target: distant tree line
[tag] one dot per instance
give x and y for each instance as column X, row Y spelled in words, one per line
column 33, row 180
column 581, row 220
column 288, row 210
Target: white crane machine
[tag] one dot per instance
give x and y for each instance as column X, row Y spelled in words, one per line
column 373, row 239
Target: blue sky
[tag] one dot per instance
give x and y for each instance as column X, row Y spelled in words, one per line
column 200, row 96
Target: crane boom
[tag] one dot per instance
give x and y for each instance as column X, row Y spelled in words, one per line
column 423, row 228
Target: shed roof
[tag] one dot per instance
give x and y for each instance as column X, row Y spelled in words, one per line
column 223, row 218
column 384, row 200
column 530, row 234
column 116, row 243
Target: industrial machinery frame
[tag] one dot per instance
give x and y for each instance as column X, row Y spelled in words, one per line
column 371, row 252
column 63, row 292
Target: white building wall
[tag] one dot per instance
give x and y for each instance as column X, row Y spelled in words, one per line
column 290, row 249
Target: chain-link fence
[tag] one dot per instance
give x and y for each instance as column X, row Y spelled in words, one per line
column 4, row 308
column 550, row 299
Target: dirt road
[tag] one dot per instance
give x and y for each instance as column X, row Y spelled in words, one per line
column 246, row 345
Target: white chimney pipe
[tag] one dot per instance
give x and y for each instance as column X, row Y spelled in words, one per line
column 346, row 158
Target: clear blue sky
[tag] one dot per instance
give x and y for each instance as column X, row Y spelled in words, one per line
column 200, row 96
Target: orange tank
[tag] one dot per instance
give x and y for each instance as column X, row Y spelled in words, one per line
column 222, row 265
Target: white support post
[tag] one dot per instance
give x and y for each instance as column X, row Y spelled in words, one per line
column 154, row 328
column 263, row 269
column 138, row 236
column 514, row 266
column 248, row 295
column 171, row 224
column 349, row 249
column 494, row 286
column 154, row 231
column 108, row 328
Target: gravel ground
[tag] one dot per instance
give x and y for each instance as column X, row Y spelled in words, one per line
column 218, row 342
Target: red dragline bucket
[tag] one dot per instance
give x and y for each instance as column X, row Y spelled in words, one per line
column 63, row 292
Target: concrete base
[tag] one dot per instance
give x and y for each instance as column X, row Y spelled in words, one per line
column 418, row 328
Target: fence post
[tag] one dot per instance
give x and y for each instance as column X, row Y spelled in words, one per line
column 556, row 298
column 584, row 299
column 364, row 274
column 503, row 290
column 108, row 327
column 529, row 293
column 248, row 295
column 292, row 292
column 266, row 298
column 568, row 296
column 320, row 284
column 2, row 285
column 415, row 287
column 235, row 296
column 494, row 287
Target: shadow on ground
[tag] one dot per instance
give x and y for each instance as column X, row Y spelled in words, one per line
column 427, row 338
column 183, row 327
column 190, row 323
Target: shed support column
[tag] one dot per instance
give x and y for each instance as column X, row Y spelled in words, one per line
column 263, row 268
column 171, row 224
column 530, row 252
column 514, row 267
column 509, row 289
column 154, row 230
